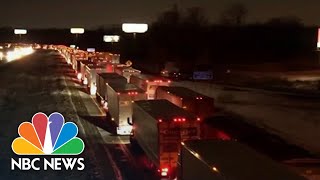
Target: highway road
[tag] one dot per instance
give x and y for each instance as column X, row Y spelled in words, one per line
column 44, row 82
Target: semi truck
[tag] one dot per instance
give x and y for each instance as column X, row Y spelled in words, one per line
column 90, row 76
column 127, row 72
column 80, row 54
column 120, row 99
column 227, row 160
column 77, row 55
column 115, row 58
column 294, row 157
column 149, row 83
column 158, row 128
column 196, row 103
column 76, row 63
column 102, row 81
column 83, row 65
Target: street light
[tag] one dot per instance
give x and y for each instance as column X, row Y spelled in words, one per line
column 111, row 38
column 134, row 28
column 76, row 31
column 20, row 32
column 92, row 50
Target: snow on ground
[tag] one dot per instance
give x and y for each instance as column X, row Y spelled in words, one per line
column 293, row 117
column 28, row 86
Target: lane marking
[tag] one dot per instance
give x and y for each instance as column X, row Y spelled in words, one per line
column 114, row 167
column 73, row 106
column 126, row 152
column 116, row 170
column 112, row 161
column 97, row 105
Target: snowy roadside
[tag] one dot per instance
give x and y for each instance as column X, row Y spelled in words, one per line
column 294, row 118
column 27, row 87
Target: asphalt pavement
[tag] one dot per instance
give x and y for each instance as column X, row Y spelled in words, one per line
column 44, row 82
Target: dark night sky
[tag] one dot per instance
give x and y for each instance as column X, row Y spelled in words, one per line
column 92, row 13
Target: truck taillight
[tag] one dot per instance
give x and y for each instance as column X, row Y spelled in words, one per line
column 169, row 81
column 198, row 119
column 159, row 120
column 133, row 93
column 179, row 119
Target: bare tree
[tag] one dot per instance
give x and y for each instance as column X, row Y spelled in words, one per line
column 196, row 16
column 285, row 21
column 169, row 17
column 235, row 14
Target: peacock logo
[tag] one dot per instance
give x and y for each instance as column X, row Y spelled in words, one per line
column 48, row 136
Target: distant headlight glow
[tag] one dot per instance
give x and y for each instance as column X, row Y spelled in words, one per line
column 18, row 53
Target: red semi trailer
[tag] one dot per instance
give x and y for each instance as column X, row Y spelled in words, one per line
column 158, row 128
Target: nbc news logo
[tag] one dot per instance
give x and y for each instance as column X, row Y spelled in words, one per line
column 48, row 136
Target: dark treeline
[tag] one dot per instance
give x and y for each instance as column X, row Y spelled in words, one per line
column 189, row 39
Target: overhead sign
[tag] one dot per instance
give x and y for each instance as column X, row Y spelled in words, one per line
column 134, row 27
column 77, row 30
column 111, row 38
column 202, row 75
column 20, row 31
column 91, row 49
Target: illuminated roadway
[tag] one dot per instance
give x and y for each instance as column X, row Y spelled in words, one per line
column 44, row 82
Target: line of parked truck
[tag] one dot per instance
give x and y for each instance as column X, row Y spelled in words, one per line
column 167, row 122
